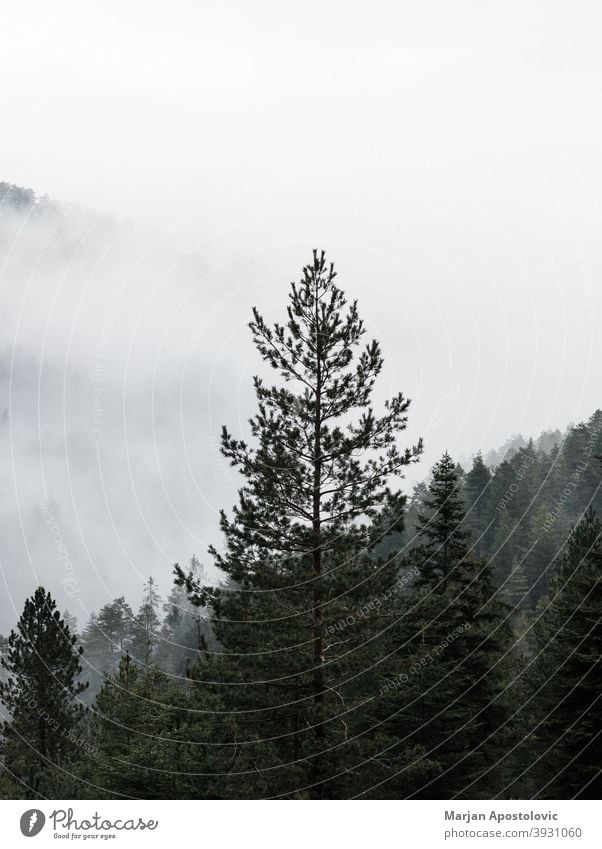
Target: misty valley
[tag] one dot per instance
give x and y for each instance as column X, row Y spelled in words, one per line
column 230, row 571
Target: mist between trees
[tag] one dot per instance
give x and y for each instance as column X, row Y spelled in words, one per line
column 360, row 643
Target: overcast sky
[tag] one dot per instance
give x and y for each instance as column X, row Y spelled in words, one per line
column 445, row 154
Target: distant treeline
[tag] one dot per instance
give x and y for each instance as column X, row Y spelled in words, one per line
column 520, row 511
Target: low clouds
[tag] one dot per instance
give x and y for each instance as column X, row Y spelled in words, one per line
column 446, row 157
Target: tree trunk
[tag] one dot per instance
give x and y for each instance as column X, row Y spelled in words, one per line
column 318, row 644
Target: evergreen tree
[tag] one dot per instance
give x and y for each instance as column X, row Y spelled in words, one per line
column 186, row 630
column 109, row 632
column 578, row 473
column 441, row 524
column 314, row 502
column 544, row 543
column 525, row 465
column 568, row 711
column 444, row 701
column 106, row 638
column 516, row 589
column 70, row 621
column 135, row 715
column 503, row 552
column 155, row 739
column 40, row 694
column 145, row 632
column 477, row 495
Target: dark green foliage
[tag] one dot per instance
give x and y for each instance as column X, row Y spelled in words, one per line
column 136, row 719
column 477, row 497
column 440, row 525
column 156, row 739
column 520, row 510
column 440, row 679
column 567, row 671
column 445, row 701
column 40, row 694
column 315, row 500
column 356, row 645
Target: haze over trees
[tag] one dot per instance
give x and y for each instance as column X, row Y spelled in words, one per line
column 360, row 643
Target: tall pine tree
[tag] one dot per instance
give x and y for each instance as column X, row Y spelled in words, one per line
column 315, row 499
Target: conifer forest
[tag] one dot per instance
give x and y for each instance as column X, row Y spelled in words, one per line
column 350, row 636
column 301, row 423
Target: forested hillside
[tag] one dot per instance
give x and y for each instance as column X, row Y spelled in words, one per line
column 360, row 644
column 72, row 282
column 520, row 510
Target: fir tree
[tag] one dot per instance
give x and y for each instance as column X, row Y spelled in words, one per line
column 155, row 739
column 135, row 715
column 441, row 524
column 567, row 704
column 106, row 638
column 40, row 694
column 146, row 625
column 503, row 553
column 109, row 632
column 185, row 631
column 71, row 622
column 444, row 701
column 477, row 495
